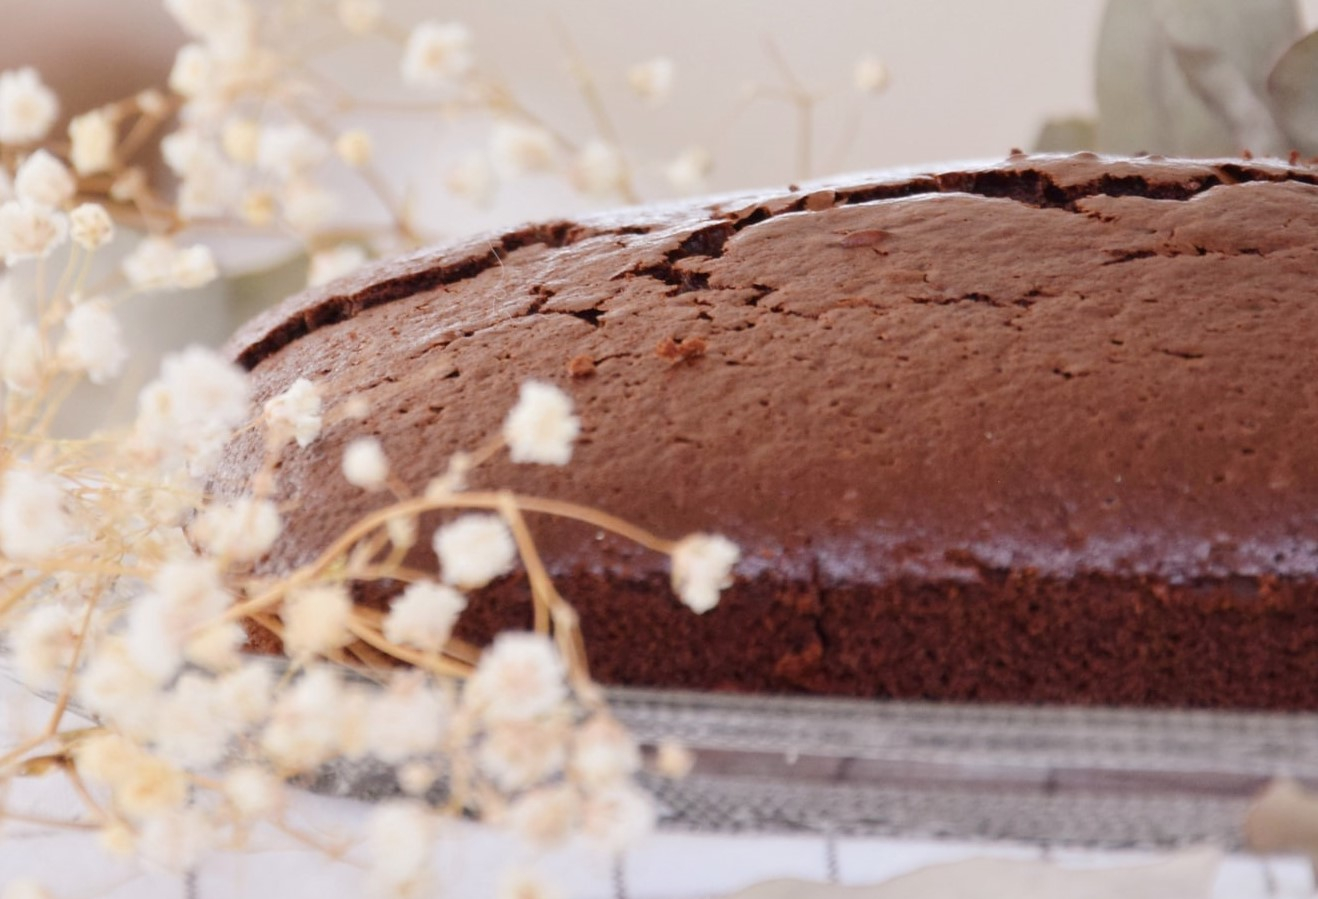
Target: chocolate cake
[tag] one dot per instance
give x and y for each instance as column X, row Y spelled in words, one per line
column 1044, row 430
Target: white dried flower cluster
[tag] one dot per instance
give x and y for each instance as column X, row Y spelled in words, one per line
column 33, row 520
column 186, row 415
column 474, row 550
column 316, row 620
column 702, row 567
column 438, row 54
column 90, row 226
column 541, row 427
column 92, row 140
column 295, row 414
column 340, row 260
column 93, row 342
column 30, row 231
column 652, row 80
column 43, row 180
column 157, row 263
column 520, row 677
column 687, row 172
column 28, row 109
column 599, row 169
column 423, row 616
column 520, row 147
column 243, row 530
column 365, row 464
column 870, row 75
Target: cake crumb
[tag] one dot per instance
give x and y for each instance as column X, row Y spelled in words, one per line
column 581, row 366
column 675, row 351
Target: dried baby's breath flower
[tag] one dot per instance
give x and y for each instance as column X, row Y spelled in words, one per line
column 518, row 147
column 90, row 226
column 92, row 138
column 33, row 522
column 42, row 644
column 546, row 816
column 687, row 173
column 24, row 360
column 603, row 754
column 652, row 80
column 149, row 786
column 253, row 791
column 702, row 566
column 521, row 676
column 306, row 206
column 599, row 169
column 423, row 616
column 242, row 530
column 28, row 108
column 521, row 883
column 437, row 54
column 365, row 464
column 354, row 147
column 114, row 687
column 216, row 647
column 247, row 692
column 43, row 180
column 316, row 620
column 400, row 839
column 407, row 720
column 474, row 550
column 305, row 728
column 226, row 25
column 415, row 778
column 130, row 184
column 290, row 149
column 870, row 75
column 296, row 414
column 156, row 263
column 194, row 266
column 517, row 755
column 618, row 818
column 192, row 729
column 673, row 760
column 335, row 263
column 28, row 231
column 185, row 595
column 151, row 102
column 187, row 414
column 472, row 178
column 93, row 342
column 359, row 16
column 241, row 139
column 401, row 531
column 541, row 427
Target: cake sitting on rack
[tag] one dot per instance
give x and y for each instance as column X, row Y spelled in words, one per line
column 1044, row 430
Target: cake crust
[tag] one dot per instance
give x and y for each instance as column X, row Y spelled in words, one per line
column 1045, row 429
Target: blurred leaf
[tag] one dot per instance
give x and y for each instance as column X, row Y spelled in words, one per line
column 1188, row 874
column 1223, row 89
column 1066, row 135
column 1293, row 87
column 1145, row 100
column 256, row 291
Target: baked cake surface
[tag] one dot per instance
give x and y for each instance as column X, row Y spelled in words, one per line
column 1040, row 430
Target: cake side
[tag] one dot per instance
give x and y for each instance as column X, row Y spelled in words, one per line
column 899, row 395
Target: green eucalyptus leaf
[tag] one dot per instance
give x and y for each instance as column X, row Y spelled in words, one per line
column 1145, row 99
column 1066, row 135
column 1293, row 87
column 1223, row 89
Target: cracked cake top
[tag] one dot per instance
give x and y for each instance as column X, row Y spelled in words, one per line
column 1061, row 364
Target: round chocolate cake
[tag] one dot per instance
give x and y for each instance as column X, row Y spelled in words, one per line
column 1043, row 430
